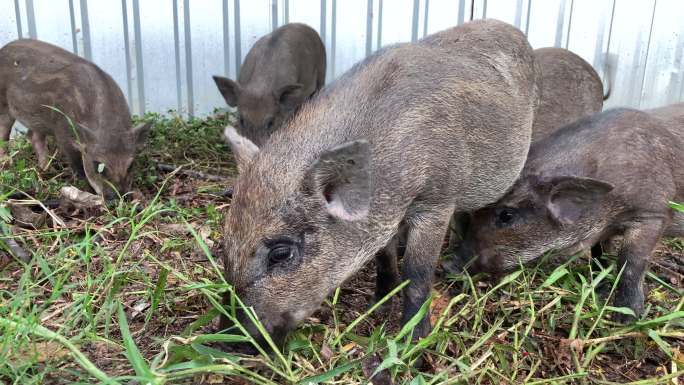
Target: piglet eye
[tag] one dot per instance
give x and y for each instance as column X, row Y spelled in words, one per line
column 505, row 216
column 269, row 124
column 281, row 253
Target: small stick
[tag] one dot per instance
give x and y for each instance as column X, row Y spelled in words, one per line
column 616, row 337
column 193, row 174
column 56, row 220
column 18, row 196
column 671, row 267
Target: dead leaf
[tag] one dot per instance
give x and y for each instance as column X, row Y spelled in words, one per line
column 174, row 228
column 205, row 233
column 27, row 218
column 215, row 379
column 348, row 347
column 42, row 352
column 138, row 308
column 678, row 355
column 73, row 199
column 563, row 356
column 437, row 306
column 326, row 352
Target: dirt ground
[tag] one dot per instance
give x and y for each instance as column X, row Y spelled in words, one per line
column 164, row 243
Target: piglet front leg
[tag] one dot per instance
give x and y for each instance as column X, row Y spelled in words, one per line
column 387, row 277
column 640, row 238
column 424, row 241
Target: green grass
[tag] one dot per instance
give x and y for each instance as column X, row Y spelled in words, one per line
column 132, row 293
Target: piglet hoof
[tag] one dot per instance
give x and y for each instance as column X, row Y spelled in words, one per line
column 243, row 348
column 384, row 309
column 634, row 301
column 624, row 319
column 452, row 265
column 43, row 164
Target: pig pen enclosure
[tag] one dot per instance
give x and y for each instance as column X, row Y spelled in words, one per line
column 128, row 292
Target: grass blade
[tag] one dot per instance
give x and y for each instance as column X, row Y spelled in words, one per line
column 134, row 357
column 48, row 334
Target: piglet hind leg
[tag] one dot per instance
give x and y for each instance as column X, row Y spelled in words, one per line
column 39, row 143
column 423, row 244
column 640, row 238
column 6, row 123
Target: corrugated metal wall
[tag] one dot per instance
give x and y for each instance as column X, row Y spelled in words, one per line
column 163, row 52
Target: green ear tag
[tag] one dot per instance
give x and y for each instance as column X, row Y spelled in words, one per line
column 100, row 167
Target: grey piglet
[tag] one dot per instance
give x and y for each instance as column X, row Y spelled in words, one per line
column 404, row 138
column 280, row 72
column 608, row 175
column 102, row 145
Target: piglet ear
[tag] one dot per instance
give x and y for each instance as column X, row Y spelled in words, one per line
column 243, row 149
column 140, row 132
column 290, row 96
column 571, row 197
column 84, row 134
column 341, row 176
column 228, row 89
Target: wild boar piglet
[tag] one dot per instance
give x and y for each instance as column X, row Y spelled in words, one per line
column 280, row 72
column 611, row 174
column 42, row 84
column 570, row 89
column 402, row 139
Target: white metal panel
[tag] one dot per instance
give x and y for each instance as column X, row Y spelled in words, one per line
column 107, row 40
column 397, row 18
column 22, row 20
column 8, row 22
column 664, row 72
column 159, row 55
column 629, row 44
column 504, row 10
column 543, row 23
column 255, row 22
column 349, row 24
column 443, row 14
column 207, row 52
column 307, row 12
column 168, row 64
column 53, row 23
column 589, row 29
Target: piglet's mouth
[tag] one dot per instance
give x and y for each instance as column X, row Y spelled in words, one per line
column 277, row 333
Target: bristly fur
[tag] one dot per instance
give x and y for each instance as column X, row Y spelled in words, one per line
column 36, row 77
column 570, row 89
column 608, row 175
column 435, row 115
column 282, row 70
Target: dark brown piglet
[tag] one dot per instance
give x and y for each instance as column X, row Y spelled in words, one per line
column 570, row 89
column 608, row 175
column 101, row 146
column 280, row 72
column 404, row 138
